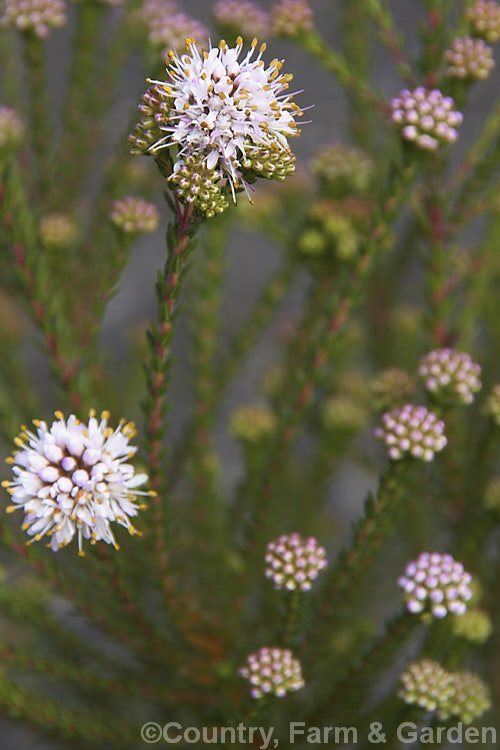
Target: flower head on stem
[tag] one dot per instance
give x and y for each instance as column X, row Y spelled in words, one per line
column 436, row 584
column 412, row 431
column 426, row 117
column 228, row 122
column 272, row 671
column 293, row 562
column 74, row 477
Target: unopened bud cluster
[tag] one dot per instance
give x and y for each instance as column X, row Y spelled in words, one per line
column 342, row 169
column 475, row 625
column 469, row 700
column 412, row 431
column 196, row 184
column 11, row 128
column 484, row 16
column 242, row 17
column 294, row 562
column 469, row 58
column 291, row 18
column 272, row 671
column 154, row 107
column 450, row 376
column 330, row 233
column 391, row 388
column 426, row 117
column 436, row 584
column 170, row 30
column 344, row 413
column 426, row 684
column 273, row 163
column 57, row 231
column 457, row 695
column 34, row 16
column 135, row 215
column 252, row 423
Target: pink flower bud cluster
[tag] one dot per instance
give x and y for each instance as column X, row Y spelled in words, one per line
column 291, row 17
column 170, row 31
column 272, row 671
column 35, row 16
column 436, row 584
column 293, row 562
column 485, row 19
column 426, row 117
column 412, row 431
column 469, row 58
column 450, row 375
column 243, row 17
column 134, row 215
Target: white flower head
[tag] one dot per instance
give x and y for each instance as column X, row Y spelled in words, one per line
column 74, row 477
column 229, row 117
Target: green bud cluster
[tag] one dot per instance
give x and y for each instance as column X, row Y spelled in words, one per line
column 57, row 231
column 392, row 387
column 460, row 695
column 342, row 170
column 202, row 187
column 154, row 107
column 469, row 700
column 474, row 625
column 344, row 413
column 329, row 234
column 272, row 163
column 252, row 424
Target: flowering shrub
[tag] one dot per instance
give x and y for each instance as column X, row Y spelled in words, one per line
column 184, row 461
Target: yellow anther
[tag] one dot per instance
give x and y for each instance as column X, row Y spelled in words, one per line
column 263, row 47
column 9, row 460
column 222, row 95
column 10, row 509
column 105, row 415
column 81, row 553
column 255, row 42
column 239, row 41
column 91, row 412
column 36, row 422
column 143, row 506
column 5, row 483
column 152, row 493
column 18, row 442
column 59, row 414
